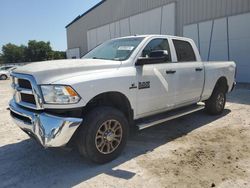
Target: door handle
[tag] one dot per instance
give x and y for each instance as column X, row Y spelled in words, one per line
column 199, row 69
column 170, row 72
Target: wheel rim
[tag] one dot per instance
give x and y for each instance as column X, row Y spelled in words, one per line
column 220, row 101
column 108, row 136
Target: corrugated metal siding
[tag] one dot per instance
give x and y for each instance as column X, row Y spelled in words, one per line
column 188, row 11
column 201, row 10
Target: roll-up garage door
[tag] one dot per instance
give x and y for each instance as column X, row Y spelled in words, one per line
column 224, row 39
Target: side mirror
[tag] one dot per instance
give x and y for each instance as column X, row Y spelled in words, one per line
column 155, row 57
column 159, row 53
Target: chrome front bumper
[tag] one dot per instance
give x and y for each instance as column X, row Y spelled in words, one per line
column 49, row 130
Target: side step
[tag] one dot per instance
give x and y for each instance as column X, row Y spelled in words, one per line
column 167, row 116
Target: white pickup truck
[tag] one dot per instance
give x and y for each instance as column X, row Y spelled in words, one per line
column 137, row 81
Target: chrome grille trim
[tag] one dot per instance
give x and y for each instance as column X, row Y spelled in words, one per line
column 35, row 91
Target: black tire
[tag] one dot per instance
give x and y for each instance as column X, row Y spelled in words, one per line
column 3, row 77
column 215, row 105
column 87, row 136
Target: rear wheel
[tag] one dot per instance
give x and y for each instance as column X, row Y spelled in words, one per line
column 3, row 77
column 103, row 135
column 216, row 103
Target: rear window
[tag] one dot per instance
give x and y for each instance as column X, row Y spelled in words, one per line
column 184, row 51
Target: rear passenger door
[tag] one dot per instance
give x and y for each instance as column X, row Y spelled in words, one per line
column 189, row 84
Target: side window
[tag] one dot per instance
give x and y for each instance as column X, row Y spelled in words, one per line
column 156, row 44
column 184, row 51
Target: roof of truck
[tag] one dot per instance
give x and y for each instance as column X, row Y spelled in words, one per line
column 154, row 35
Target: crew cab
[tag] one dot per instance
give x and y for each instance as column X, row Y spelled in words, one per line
column 124, row 83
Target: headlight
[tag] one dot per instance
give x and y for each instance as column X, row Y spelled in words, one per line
column 57, row 94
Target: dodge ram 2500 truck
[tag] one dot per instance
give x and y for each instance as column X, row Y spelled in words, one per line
column 137, row 81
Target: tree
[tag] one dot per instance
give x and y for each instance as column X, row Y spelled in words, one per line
column 35, row 51
column 58, row 55
column 1, row 59
column 38, row 51
column 13, row 53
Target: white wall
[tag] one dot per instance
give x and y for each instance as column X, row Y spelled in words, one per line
column 114, row 29
column 124, row 27
column 103, row 34
column 73, row 53
column 191, row 31
column 219, row 44
column 146, row 23
column 168, row 19
column 239, row 44
column 92, row 38
column 224, row 39
column 156, row 21
column 205, row 29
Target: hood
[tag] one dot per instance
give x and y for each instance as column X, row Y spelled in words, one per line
column 47, row 72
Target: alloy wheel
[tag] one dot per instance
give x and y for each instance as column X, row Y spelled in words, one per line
column 108, row 136
column 220, row 101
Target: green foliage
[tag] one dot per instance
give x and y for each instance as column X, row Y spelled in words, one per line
column 1, row 59
column 13, row 53
column 58, row 55
column 35, row 51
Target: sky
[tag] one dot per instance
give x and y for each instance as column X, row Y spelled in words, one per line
column 24, row 20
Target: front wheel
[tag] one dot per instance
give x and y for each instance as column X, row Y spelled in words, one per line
column 3, row 77
column 103, row 135
column 216, row 103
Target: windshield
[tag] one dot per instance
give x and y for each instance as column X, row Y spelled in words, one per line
column 5, row 68
column 118, row 49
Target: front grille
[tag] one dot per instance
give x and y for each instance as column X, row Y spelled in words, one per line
column 26, row 92
column 19, row 117
column 24, row 84
column 28, row 98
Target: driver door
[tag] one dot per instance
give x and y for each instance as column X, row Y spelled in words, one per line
column 156, row 83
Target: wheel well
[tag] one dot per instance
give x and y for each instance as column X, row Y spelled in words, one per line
column 222, row 83
column 3, row 75
column 114, row 99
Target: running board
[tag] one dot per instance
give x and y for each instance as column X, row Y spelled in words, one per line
column 158, row 119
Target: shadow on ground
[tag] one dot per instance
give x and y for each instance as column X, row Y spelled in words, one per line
column 26, row 164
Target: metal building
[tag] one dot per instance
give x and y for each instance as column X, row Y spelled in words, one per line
column 220, row 28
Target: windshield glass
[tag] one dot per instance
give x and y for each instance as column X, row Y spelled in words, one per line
column 5, row 68
column 118, row 49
